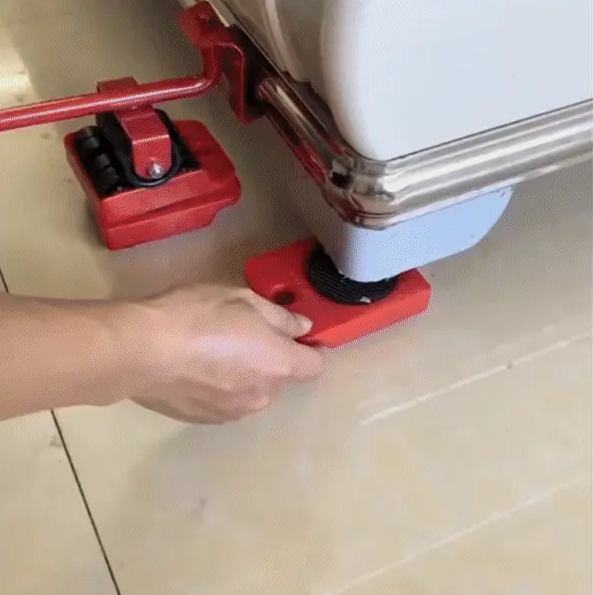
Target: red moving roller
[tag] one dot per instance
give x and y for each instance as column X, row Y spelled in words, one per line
column 283, row 276
column 148, row 178
column 189, row 200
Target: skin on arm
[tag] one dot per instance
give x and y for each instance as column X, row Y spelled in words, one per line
column 204, row 354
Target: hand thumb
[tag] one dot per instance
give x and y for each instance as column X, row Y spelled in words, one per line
column 288, row 323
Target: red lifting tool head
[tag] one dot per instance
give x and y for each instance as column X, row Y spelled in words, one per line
column 284, row 277
column 146, row 177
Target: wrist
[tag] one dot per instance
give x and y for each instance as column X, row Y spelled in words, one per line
column 125, row 352
column 140, row 329
column 60, row 353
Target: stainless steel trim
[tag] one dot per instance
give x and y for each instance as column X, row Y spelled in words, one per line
column 377, row 195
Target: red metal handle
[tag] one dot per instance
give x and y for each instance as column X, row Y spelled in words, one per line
column 211, row 36
column 79, row 106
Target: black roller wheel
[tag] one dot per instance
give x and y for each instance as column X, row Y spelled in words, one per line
column 109, row 181
column 100, row 163
column 89, row 144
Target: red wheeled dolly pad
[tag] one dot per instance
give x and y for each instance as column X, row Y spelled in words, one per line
column 280, row 276
column 188, row 201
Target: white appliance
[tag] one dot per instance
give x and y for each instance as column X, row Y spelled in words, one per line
column 422, row 116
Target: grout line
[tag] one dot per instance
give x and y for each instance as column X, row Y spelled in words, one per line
column 3, row 281
column 497, row 517
column 86, row 505
column 386, row 413
column 78, row 483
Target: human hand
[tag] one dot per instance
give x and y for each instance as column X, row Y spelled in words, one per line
column 217, row 354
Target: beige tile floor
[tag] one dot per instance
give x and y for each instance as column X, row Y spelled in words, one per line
column 448, row 456
column 47, row 542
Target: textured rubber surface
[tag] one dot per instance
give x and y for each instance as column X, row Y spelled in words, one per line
column 96, row 156
column 329, row 282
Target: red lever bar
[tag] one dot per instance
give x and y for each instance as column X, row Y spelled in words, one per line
column 207, row 35
column 90, row 104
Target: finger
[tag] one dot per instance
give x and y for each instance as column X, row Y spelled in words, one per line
column 243, row 404
column 260, row 403
column 288, row 323
column 180, row 413
column 307, row 363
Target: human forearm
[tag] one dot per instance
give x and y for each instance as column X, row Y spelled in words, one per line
column 204, row 354
column 60, row 353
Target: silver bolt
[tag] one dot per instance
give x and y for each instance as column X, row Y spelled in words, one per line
column 156, row 171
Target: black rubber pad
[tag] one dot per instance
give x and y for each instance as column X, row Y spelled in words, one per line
column 330, row 283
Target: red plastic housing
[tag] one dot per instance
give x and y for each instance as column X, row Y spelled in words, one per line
column 280, row 276
column 187, row 202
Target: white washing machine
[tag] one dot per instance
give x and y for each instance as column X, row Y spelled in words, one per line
column 421, row 117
